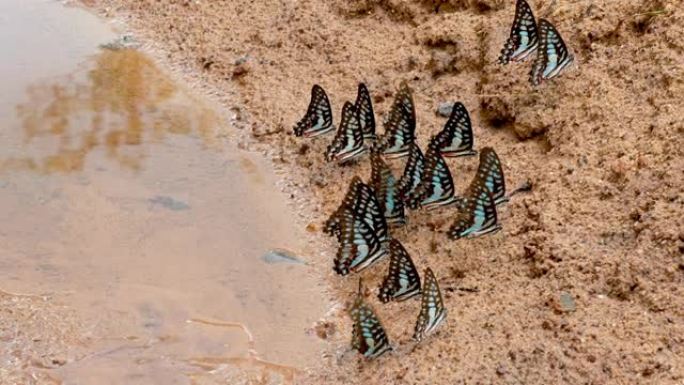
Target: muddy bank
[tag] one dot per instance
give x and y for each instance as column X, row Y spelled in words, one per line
column 602, row 224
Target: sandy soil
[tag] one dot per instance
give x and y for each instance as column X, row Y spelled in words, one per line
column 602, row 146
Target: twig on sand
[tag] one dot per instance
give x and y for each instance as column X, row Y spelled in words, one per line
column 653, row 13
column 253, row 359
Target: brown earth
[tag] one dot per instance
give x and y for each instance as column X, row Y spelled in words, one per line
column 602, row 146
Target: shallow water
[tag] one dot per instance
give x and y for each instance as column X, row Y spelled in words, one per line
column 121, row 202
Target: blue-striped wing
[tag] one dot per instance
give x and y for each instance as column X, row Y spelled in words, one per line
column 348, row 142
column 318, row 119
column 477, row 215
column 385, row 185
column 359, row 246
column 368, row 335
column 437, row 186
column 553, row 55
column 524, row 38
column 361, row 202
column 332, row 224
column 432, row 310
column 400, row 126
column 456, row 138
column 413, row 172
column 364, row 109
column 491, row 172
column 402, row 281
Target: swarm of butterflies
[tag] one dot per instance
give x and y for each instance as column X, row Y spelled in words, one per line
column 361, row 223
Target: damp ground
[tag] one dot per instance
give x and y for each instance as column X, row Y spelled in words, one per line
column 139, row 245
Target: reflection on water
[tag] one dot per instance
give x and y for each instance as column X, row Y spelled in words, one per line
column 120, row 103
column 118, row 200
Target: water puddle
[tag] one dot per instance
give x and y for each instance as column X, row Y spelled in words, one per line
column 176, row 250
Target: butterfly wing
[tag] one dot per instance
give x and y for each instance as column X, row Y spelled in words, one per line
column 385, row 186
column 491, row 172
column 478, row 213
column 364, row 109
column 524, row 38
column 332, row 224
column 437, row 186
column 318, row 119
column 368, row 335
column 432, row 310
column 413, row 173
column 553, row 55
column 348, row 142
column 456, row 138
column 402, row 281
column 359, row 247
column 400, row 126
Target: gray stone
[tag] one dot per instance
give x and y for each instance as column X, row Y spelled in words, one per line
column 281, row 256
column 567, row 302
column 169, row 203
column 445, row 109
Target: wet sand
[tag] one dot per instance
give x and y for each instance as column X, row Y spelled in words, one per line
column 135, row 233
column 603, row 223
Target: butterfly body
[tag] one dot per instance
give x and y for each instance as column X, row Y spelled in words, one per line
column 385, row 185
column 368, row 335
column 477, row 215
column 402, row 281
column 432, row 310
column 400, row 126
column 553, row 55
column 524, row 37
column 456, row 138
column 318, row 118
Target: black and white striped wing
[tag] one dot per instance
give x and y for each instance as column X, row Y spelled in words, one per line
column 437, row 186
column 524, row 37
column 402, row 281
column 368, row 335
column 348, row 142
column 400, row 126
column 456, row 138
column 332, row 224
column 359, row 247
column 413, row 173
column 477, row 215
column 318, row 119
column 385, row 185
column 432, row 310
column 364, row 110
column 552, row 56
column 491, row 172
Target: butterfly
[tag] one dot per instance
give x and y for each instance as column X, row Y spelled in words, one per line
column 436, row 186
column 318, row 119
column 524, row 37
column 360, row 201
column 348, row 142
column 413, row 172
column 400, row 126
column 364, row 110
column 491, row 172
column 368, row 335
column 402, row 281
column 477, row 215
column 385, row 186
column 552, row 57
column 456, row 138
column 359, row 247
column 432, row 310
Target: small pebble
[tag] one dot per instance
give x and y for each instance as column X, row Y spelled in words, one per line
column 567, row 302
column 444, row 109
column 169, row 203
column 281, row 256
